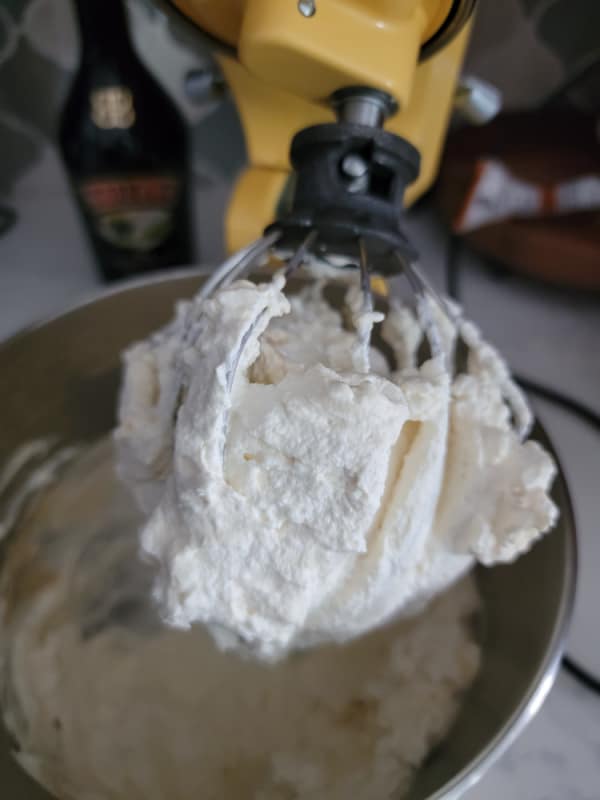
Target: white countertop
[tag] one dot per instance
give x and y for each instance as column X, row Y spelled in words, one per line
column 549, row 336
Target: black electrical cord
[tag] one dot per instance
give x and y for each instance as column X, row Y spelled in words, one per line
column 580, row 674
column 453, row 276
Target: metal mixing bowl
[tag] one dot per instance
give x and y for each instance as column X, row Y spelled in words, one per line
column 61, row 378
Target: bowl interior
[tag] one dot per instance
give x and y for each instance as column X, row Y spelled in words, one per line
column 62, row 378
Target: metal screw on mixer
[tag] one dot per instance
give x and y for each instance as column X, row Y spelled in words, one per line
column 307, row 8
column 356, row 171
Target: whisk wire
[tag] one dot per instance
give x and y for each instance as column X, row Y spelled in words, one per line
column 365, row 278
column 365, row 317
column 299, row 256
column 235, row 266
column 422, row 296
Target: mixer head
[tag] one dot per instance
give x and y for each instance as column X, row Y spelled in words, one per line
column 289, row 63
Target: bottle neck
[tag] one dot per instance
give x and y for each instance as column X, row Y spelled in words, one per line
column 103, row 28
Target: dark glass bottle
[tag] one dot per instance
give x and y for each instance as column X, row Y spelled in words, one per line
column 124, row 144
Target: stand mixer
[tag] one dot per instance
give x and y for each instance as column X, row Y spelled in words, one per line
column 366, row 146
column 332, row 74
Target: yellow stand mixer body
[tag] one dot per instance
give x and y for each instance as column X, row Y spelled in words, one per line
column 288, row 59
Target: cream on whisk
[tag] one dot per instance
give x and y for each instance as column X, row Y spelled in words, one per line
column 294, row 499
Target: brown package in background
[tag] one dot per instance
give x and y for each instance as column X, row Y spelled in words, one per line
column 544, row 148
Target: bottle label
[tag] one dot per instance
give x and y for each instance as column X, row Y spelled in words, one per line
column 133, row 213
column 112, row 107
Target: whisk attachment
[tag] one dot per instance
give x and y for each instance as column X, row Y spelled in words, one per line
column 456, row 350
column 347, row 210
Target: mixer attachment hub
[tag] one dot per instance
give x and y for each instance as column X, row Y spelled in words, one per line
column 349, row 185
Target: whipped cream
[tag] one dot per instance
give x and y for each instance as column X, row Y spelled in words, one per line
column 107, row 701
column 293, row 496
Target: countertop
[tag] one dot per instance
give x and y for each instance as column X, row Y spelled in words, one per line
column 549, row 336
